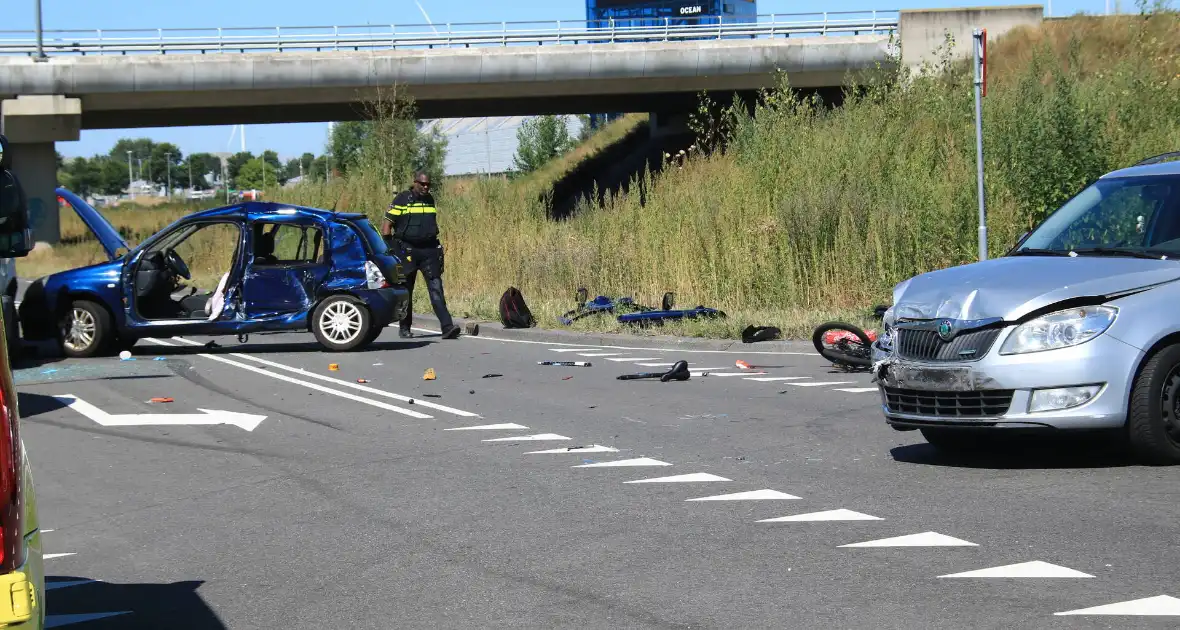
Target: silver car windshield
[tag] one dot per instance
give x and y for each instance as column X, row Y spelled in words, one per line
column 1127, row 216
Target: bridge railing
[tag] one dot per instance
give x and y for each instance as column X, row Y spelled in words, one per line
column 451, row 35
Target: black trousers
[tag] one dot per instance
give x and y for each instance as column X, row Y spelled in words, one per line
column 428, row 260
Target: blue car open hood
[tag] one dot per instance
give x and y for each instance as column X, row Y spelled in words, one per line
column 106, row 233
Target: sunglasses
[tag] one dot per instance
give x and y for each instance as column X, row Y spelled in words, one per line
column 423, row 184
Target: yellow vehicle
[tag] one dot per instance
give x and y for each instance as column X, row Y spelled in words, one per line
column 22, row 575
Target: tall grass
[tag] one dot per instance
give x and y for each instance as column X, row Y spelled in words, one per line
column 812, row 213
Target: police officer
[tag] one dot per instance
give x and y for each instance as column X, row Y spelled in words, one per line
column 411, row 228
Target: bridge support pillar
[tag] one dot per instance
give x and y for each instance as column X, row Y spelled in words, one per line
column 668, row 123
column 32, row 125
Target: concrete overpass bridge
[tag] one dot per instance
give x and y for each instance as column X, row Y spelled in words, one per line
column 52, row 89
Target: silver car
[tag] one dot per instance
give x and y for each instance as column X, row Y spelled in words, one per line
column 1077, row 328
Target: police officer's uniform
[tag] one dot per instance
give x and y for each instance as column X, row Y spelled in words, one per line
column 415, row 240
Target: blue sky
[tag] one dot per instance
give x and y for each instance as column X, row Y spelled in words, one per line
column 293, row 139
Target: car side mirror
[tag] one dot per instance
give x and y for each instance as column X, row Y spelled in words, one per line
column 16, row 237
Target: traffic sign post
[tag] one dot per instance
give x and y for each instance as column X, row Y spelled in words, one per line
column 980, row 37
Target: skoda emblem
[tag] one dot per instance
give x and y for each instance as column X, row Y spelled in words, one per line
column 945, row 330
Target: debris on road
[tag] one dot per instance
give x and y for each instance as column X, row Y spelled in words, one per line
column 566, row 378
column 433, row 395
column 334, row 367
column 125, row 355
column 472, row 329
column 743, row 365
column 429, row 375
column 160, row 359
column 754, row 334
column 492, row 375
column 161, row 400
column 679, row 372
column 565, row 363
column 362, row 380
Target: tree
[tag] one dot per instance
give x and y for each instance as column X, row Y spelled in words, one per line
column 234, row 164
column 347, row 141
column 539, row 140
column 389, row 141
column 163, row 163
column 256, row 175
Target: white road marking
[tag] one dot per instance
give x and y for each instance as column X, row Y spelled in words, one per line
column 247, row 421
column 46, row 531
column 690, row 478
column 530, row 438
column 57, row 621
column 633, row 359
column 595, row 448
column 489, row 427
column 49, row 586
column 599, row 354
column 771, row 379
column 708, row 373
column 1160, row 605
column 819, row 384
column 830, row 515
column 337, row 381
column 925, row 539
column 639, row 461
column 857, row 390
column 321, row 388
column 752, row 495
column 573, row 349
column 50, row 556
column 1034, row 569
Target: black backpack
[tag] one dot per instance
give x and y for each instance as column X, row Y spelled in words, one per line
column 514, row 313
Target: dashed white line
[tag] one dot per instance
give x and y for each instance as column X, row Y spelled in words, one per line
column 689, row 478
column 50, row 556
column 773, row 379
column 752, row 495
column 856, row 390
column 596, row 448
column 925, row 539
column 489, row 427
column 599, row 354
column 541, row 437
column 1160, row 605
column 829, row 515
column 634, row 359
column 638, row 461
column 1034, row 569
column 819, row 384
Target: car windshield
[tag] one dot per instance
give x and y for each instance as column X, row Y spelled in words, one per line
column 1126, row 216
column 371, row 236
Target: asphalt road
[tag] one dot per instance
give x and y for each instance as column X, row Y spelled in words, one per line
column 349, row 506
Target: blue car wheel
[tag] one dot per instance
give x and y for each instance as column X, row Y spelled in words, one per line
column 86, row 329
column 342, row 323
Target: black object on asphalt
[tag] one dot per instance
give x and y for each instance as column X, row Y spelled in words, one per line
column 754, row 334
column 679, row 372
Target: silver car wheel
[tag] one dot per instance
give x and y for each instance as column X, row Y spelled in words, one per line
column 341, row 322
column 80, row 335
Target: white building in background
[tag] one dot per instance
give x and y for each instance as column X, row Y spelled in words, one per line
column 483, row 145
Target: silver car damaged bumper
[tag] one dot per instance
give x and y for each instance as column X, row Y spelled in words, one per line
column 996, row 391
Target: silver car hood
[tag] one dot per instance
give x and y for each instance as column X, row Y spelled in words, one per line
column 1012, row 287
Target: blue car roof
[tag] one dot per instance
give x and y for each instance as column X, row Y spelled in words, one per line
column 260, row 208
column 1146, row 170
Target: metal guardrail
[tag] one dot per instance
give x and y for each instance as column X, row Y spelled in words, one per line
column 451, row 35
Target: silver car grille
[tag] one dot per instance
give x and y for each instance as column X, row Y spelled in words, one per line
column 926, row 345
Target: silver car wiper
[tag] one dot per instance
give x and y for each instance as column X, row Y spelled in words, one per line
column 1118, row 251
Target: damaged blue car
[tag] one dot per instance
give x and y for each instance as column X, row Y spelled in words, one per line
column 276, row 267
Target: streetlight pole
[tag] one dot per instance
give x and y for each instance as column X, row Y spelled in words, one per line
column 130, row 177
column 40, row 46
column 168, row 165
column 980, row 37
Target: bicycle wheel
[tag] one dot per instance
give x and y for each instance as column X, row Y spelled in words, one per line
column 853, row 348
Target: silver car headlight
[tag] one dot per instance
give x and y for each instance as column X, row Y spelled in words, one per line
column 1061, row 329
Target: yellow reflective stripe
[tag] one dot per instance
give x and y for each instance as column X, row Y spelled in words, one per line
column 420, row 210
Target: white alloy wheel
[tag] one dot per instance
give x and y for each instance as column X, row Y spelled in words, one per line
column 342, row 323
column 80, row 335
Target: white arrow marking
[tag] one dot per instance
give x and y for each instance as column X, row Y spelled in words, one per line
column 245, row 421
column 830, row 515
column 693, row 477
column 530, row 438
column 752, row 495
column 489, row 427
column 57, row 621
column 639, row 461
column 1034, row 569
column 925, row 539
column 1160, row 605
column 596, row 448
